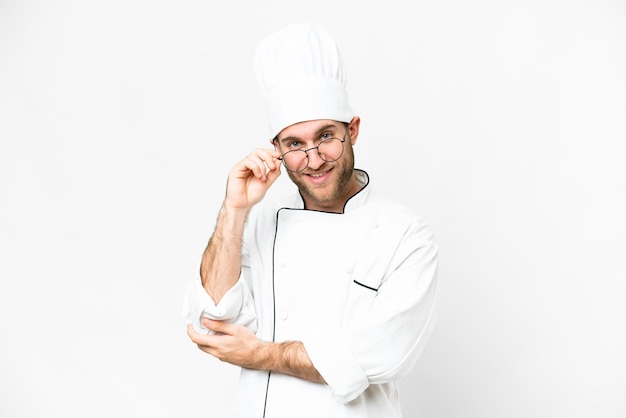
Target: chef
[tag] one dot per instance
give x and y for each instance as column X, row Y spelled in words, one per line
column 324, row 299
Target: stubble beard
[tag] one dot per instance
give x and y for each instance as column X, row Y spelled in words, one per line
column 344, row 171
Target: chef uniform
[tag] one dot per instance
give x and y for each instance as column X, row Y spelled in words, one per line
column 356, row 288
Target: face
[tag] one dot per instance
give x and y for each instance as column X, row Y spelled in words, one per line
column 324, row 185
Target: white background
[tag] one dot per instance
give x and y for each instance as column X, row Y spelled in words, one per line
column 501, row 122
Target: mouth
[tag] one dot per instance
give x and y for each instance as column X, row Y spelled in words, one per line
column 318, row 177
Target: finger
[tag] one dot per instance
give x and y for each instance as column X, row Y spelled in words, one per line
column 261, row 168
column 254, row 165
column 199, row 338
column 268, row 157
column 254, row 162
column 258, row 163
column 192, row 333
column 208, row 349
column 273, row 175
column 270, row 162
column 217, row 326
column 271, row 159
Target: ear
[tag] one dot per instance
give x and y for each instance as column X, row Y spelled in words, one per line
column 274, row 143
column 353, row 128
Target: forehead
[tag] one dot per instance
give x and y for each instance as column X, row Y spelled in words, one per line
column 308, row 129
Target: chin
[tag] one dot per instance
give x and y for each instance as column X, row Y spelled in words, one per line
column 318, row 195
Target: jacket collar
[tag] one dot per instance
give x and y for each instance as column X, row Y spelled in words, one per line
column 357, row 199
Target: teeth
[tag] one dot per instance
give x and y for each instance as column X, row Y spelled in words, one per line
column 317, row 175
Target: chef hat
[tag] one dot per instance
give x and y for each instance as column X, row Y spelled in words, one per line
column 300, row 73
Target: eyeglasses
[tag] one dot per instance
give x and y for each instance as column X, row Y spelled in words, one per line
column 329, row 150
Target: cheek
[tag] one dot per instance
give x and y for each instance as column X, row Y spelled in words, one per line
column 348, row 156
column 292, row 176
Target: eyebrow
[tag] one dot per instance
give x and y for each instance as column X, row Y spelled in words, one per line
column 317, row 133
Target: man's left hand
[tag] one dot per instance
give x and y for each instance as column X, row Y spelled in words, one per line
column 234, row 344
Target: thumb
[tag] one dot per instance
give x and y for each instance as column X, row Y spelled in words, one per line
column 213, row 325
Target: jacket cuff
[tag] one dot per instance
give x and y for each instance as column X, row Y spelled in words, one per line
column 199, row 304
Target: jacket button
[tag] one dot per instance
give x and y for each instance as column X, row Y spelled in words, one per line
column 283, row 316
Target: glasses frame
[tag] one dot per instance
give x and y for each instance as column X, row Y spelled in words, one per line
column 306, row 153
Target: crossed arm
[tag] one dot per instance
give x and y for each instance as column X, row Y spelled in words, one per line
column 247, row 184
column 237, row 345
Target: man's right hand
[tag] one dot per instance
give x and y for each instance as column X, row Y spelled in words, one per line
column 249, row 180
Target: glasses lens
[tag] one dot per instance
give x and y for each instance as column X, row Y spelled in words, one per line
column 295, row 160
column 331, row 149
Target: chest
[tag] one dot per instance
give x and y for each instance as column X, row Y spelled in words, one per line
column 315, row 259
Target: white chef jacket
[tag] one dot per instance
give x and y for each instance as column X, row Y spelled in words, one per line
column 356, row 288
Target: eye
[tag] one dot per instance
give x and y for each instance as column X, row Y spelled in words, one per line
column 294, row 144
column 326, row 135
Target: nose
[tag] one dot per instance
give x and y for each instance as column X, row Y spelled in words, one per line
column 315, row 161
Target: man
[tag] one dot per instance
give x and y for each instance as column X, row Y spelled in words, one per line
column 327, row 299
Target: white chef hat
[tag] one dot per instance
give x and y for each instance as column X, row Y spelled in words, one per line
column 300, row 73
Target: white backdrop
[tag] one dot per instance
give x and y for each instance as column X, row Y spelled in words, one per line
column 501, row 122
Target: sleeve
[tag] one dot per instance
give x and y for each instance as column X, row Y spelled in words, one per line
column 389, row 320
column 236, row 306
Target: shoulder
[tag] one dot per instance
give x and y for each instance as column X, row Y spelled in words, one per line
column 394, row 215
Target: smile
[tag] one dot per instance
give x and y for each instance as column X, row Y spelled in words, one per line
column 318, row 178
